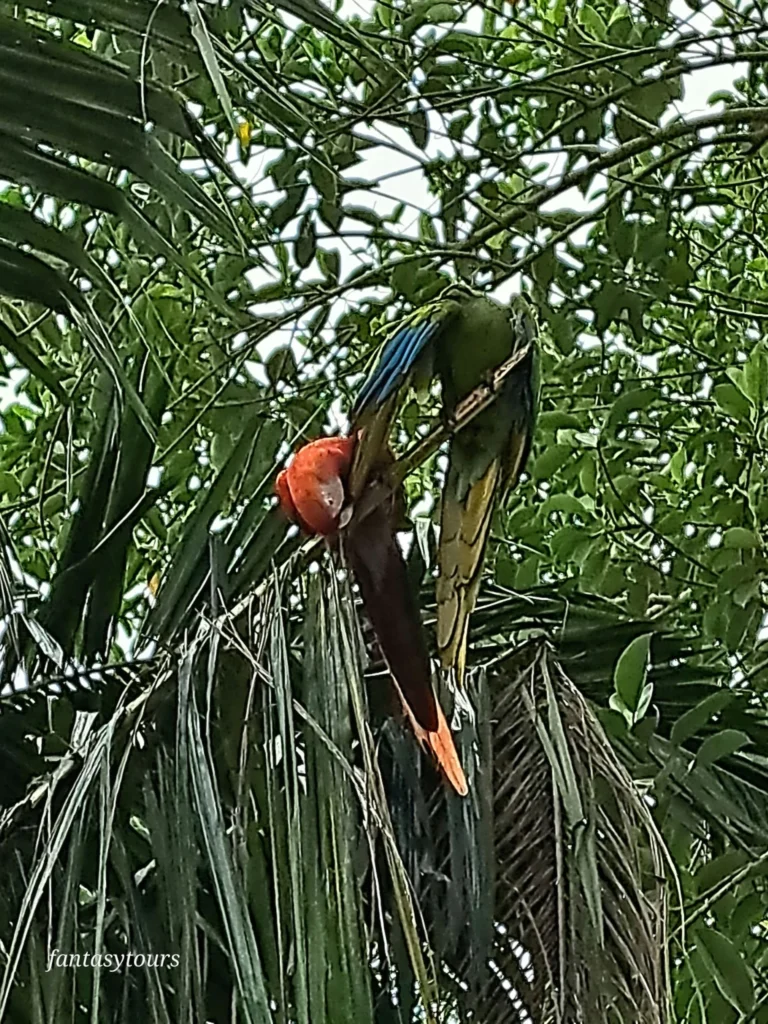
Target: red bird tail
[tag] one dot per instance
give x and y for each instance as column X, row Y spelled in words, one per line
column 442, row 748
column 378, row 565
column 313, row 493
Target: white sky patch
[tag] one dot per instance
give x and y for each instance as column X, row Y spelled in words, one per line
column 649, row 363
column 9, row 388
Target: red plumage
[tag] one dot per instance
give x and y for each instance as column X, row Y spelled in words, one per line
column 313, row 493
column 311, row 490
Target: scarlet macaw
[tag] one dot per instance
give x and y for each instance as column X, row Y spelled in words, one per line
column 313, row 493
column 463, row 336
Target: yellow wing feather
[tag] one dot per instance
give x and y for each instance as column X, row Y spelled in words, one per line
column 464, row 530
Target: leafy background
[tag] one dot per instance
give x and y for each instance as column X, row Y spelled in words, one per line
column 207, row 211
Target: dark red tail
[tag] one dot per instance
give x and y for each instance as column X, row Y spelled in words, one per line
column 380, row 571
column 379, row 568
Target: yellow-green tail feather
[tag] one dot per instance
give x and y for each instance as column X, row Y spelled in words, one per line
column 464, row 532
column 464, row 528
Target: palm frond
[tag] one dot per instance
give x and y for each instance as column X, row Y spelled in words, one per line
column 80, row 103
column 581, row 899
column 235, row 789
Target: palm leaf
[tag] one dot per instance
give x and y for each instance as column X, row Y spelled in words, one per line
column 223, row 739
column 580, row 904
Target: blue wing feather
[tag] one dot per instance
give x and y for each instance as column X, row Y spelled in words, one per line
column 398, row 358
column 402, row 358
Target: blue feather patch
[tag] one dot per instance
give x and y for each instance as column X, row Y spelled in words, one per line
column 398, row 358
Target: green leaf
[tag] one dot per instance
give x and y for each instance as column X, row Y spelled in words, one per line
column 746, row 591
column 736, row 374
column 282, row 366
column 629, row 677
column 558, row 13
column 565, row 503
column 691, row 721
column 740, row 538
column 457, row 126
column 10, row 488
column 404, row 278
column 386, row 15
column 269, row 292
column 518, row 54
column 221, row 448
column 732, row 401
column 285, row 170
column 730, row 972
column 585, row 439
column 551, row 460
column 362, row 213
column 427, row 232
column 630, row 401
column 325, row 180
column 27, row 358
column 418, row 126
column 543, row 268
column 441, row 12
column 202, row 37
column 713, row 872
column 527, row 575
column 619, row 12
column 676, row 465
column 306, row 244
column 289, row 207
column 568, row 541
column 331, row 214
column 734, row 576
column 721, row 745
column 558, row 419
column 266, row 49
column 756, row 375
column 227, row 879
column 329, row 261
column 593, row 22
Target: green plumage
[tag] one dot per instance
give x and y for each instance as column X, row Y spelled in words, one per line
column 478, row 340
column 464, row 337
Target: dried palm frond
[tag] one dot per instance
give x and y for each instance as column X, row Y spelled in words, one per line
column 580, row 887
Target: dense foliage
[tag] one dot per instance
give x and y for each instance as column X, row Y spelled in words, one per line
column 207, row 211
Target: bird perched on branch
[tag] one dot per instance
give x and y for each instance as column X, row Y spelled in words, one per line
column 313, row 493
column 463, row 337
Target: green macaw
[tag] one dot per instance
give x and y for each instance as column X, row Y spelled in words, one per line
column 463, row 337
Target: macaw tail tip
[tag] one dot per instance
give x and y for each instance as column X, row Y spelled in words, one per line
column 439, row 743
column 444, row 751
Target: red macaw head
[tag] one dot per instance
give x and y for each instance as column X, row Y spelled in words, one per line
column 312, row 490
